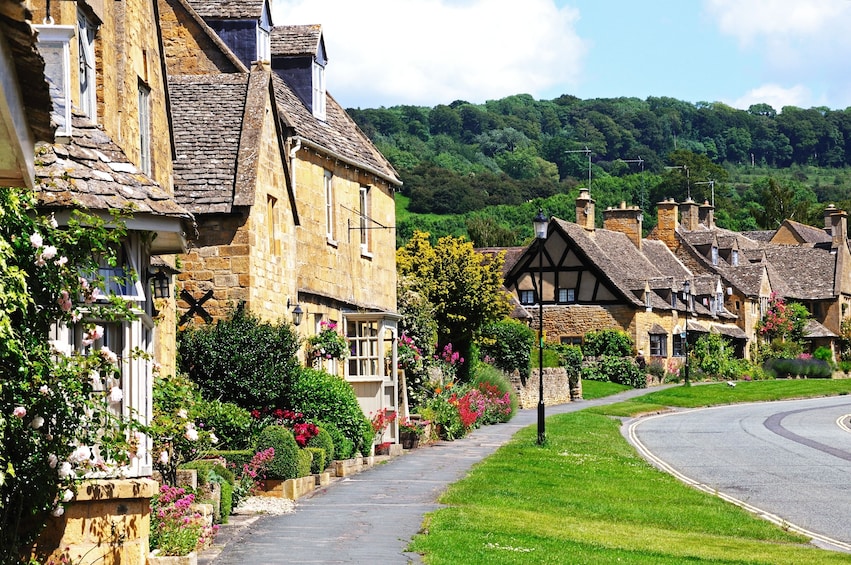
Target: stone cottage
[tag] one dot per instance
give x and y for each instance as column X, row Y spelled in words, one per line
column 295, row 206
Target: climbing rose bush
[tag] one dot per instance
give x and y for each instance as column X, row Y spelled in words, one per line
column 60, row 416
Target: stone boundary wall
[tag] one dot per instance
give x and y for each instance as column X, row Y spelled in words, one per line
column 557, row 389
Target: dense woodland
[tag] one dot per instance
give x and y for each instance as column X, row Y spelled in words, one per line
column 482, row 170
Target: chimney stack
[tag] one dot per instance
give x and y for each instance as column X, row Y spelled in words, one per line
column 626, row 220
column 689, row 216
column 706, row 215
column 839, row 228
column 585, row 209
column 667, row 223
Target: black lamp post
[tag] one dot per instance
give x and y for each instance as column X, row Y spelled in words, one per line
column 540, row 223
column 297, row 312
column 687, row 298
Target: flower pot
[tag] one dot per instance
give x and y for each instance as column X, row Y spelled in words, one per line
column 190, row 559
column 409, row 440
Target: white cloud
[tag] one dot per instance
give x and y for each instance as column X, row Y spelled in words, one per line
column 775, row 19
column 426, row 52
column 775, row 96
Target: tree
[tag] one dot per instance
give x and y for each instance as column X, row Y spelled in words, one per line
column 779, row 202
column 463, row 286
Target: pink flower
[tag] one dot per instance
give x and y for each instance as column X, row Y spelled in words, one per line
column 52, row 461
column 64, row 301
column 163, row 457
column 19, row 412
column 58, row 511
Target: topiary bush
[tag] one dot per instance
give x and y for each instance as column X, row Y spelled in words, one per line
column 243, row 359
column 304, row 462
column 344, row 448
column 226, row 501
column 317, row 464
column 323, row 441
column 327, row 398
column 285, row 463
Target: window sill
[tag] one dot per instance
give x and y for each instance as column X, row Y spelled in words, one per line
column 332, row 242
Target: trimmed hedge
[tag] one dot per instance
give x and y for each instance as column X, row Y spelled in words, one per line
column 304, row 462
column 235, row 458
column 318, row 462
column 323, row 441
column 285, row 464
column 344, row 448
column 807, row 368
column 226, row 501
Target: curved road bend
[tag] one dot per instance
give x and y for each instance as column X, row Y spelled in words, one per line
column 788, row 461
column 372, row 516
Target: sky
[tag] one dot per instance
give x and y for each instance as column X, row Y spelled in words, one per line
column 430, row 52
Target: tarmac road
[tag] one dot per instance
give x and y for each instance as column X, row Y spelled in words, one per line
column 789, row 461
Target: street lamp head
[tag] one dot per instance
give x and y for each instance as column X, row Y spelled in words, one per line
column 540, row 223
column 686, row 288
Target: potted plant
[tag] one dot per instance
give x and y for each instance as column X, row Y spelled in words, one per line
column 410, row 432
column 327, row 344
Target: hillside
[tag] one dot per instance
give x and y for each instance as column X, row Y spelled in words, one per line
column 482, row 170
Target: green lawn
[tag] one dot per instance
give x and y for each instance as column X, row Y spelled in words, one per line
column 587, row 497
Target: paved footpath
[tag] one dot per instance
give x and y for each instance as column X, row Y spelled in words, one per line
column 372, row 516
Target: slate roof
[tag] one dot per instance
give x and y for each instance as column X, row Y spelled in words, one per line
column 337, row 134
column 814, row 329
column 807, row 234
column 93, row 173
column 207, row 117
column 295, row 40
column 20, row 37
column 229, row 9
column 805, row 273
column 619, row 260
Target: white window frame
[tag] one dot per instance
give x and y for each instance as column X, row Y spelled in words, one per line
column 365, row 209
column 319, row 110
column 264, row 47
column 87, row 79
column 715, row 255
column 330, row 220
column 365, row 355
column 734, row 257
column 144, row 128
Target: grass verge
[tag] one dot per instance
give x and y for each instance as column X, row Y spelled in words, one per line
column 587, row 497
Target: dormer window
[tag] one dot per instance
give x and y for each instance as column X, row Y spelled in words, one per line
column 264, row 48
column 734, row 257
column 715, row 255
column 54, row 44
column 318, row 91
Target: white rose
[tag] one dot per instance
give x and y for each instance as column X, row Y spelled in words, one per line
column 58, row 511
column 65, row 470
column 37, row 422
column 164, row 457
column 116, row 395
column 191, row 434
column 213, row 438
column 52, row 460
column 68, row 495
column 36, row 240
column 182, row 413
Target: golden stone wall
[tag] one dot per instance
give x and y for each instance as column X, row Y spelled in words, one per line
column 237, row 257
column 190, row 51
column 107, row 523
column 337, row 269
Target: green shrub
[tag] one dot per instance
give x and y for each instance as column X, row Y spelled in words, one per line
column 823, row 353
column 620, row 370
column 317, row 464
column 344, row 448
column 226, row 506
column 569, row 357
column 323, row 441
column 304, row 462
column 444, row 416
column 845, row 366
column 235, row 458
column 285, row 463
column 230, row 423
column 243, row 359
column 508, row 345
column 328, row 398
column 614, row 343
